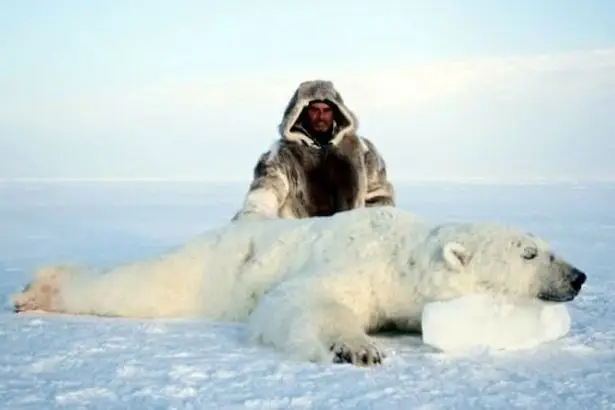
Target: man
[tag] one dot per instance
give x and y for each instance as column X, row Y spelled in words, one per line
column 319, row 166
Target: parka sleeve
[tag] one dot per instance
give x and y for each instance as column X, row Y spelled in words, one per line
column 380, row 190
column 268, row 189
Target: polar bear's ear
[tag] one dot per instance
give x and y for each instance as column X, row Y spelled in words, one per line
column 455, row 255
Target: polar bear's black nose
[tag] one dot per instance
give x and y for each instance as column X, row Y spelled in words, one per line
column 578, row 279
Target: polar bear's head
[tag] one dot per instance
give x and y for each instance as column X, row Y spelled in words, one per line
column 504, row 260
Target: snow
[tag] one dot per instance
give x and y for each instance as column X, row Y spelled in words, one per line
column 62, row 361
column 482, row 321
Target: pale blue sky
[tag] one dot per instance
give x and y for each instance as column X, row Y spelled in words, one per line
column 125, row 89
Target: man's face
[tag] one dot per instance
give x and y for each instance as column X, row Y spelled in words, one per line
column 320, row 116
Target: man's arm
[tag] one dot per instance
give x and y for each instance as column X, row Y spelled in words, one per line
column 380, row 191
column 267, row 191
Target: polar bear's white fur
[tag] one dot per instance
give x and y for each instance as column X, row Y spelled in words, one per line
column 314, row 288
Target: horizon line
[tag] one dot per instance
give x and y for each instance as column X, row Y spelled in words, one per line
column 465, row 180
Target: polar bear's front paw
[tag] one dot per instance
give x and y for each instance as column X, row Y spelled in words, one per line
column 360, row 353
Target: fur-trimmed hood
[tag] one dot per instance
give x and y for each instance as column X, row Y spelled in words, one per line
column 346, row 122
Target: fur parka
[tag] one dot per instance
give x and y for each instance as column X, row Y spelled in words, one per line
column 299, row 178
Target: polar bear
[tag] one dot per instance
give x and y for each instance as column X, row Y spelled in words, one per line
column 316, row 288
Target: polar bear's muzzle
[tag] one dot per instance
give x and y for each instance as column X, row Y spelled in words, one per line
column 567, row 287
column 578, row 280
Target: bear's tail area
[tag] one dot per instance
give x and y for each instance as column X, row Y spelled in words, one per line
column 44, row 292
column 140, row 290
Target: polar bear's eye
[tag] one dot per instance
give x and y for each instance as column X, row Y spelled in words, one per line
column 530, row 253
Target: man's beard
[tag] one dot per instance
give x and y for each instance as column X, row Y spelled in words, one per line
column 321, row 126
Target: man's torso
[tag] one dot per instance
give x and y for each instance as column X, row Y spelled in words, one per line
column 322, row 181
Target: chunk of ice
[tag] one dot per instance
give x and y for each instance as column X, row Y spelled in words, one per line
column 483, row 321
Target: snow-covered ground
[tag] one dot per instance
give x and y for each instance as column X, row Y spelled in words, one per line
column 51, row 361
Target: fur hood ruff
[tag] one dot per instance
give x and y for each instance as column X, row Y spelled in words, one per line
column 346, row 122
